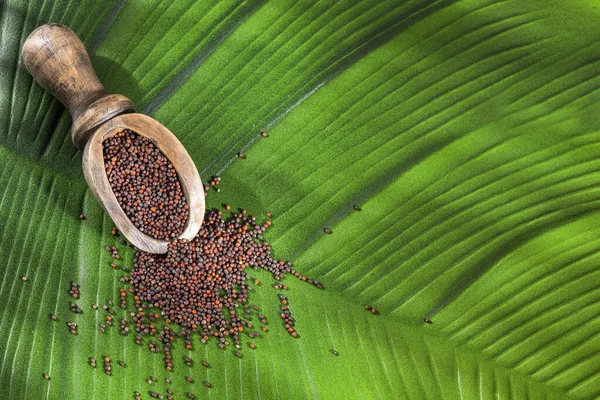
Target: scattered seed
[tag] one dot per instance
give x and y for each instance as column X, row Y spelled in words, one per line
column 74, row 290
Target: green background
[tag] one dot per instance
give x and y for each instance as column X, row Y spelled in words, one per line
column 468, row 132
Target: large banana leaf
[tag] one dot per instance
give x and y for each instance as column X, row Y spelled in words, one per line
column 468, row 133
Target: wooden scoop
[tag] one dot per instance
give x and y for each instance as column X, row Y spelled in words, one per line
column 58, row 61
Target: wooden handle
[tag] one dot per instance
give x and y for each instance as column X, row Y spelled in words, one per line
column 58, row 61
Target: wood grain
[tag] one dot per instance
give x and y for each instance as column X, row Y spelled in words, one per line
column 58, row 61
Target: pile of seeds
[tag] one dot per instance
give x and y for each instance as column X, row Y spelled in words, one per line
column 200, row 284
column 146, row 185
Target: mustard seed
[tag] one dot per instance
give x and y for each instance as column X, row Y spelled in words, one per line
column 145, row 184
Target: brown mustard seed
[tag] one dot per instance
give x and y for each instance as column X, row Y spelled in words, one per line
column 145, row 184
column 198, row 280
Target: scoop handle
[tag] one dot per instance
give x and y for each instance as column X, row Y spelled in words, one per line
column 58, row 61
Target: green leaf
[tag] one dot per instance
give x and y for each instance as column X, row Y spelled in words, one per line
column 466, row 131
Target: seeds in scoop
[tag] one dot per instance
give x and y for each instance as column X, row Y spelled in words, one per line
column 145, row 184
